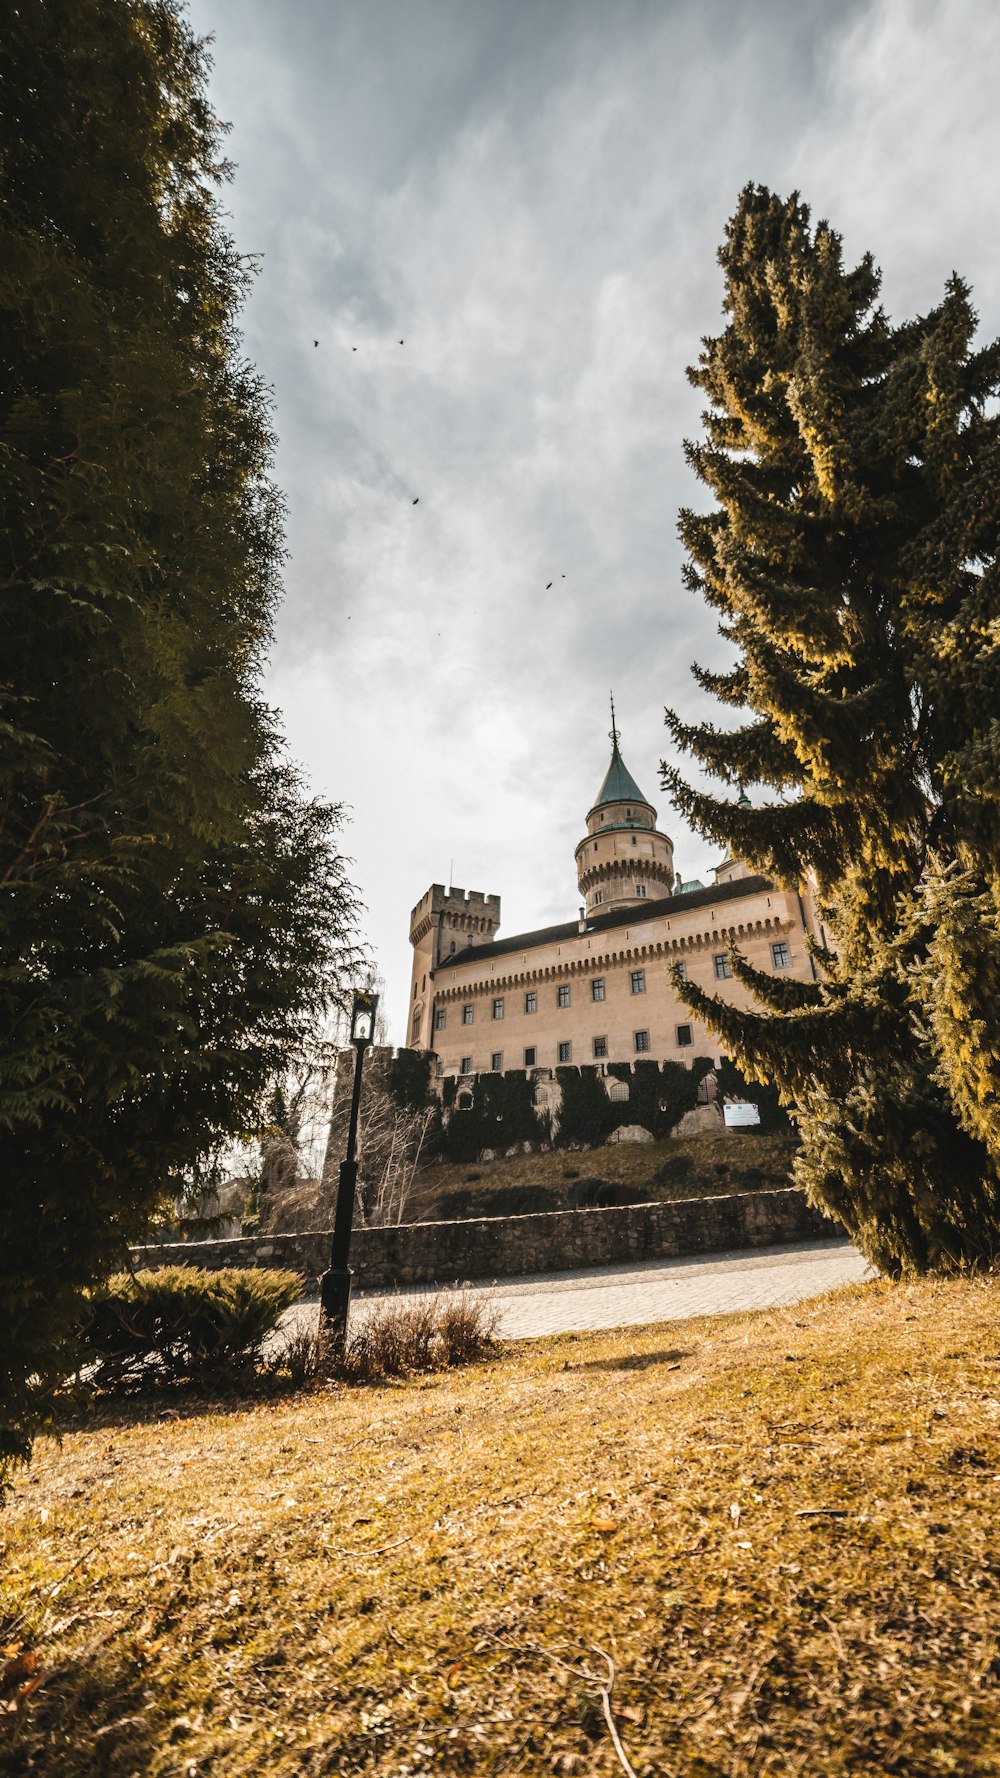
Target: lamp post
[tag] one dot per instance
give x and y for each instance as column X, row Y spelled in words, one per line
column 335, row 1284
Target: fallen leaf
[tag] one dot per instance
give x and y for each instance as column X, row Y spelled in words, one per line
column 21, row 1667
column 604, row 1524
column 453, row 1672
column 734, row 1512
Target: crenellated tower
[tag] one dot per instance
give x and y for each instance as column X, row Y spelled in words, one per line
column 443, row 922
column 624, row 858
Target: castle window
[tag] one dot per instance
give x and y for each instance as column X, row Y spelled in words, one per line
column 498, row 1007
column 531, row 1001
column 634, row 841
column 597, row 988
column 722, row 969
column 618, row 1091
column 416, row 1023
column 440, row 1017
column 684, row 1037
column 641, row 1041
column 562, row 994
column 529, row 1057
column 451, row 948
column 565, row 1052
column 600, row 1048
column 638, row 979
column 682, row 971
column 628, row 814
column 598, row 897
column 468, row 1013
column 414, row 990
column 466, row 1066
column 640, row 889
column 464, row 1102
column 496, row 1062
column 781, row 956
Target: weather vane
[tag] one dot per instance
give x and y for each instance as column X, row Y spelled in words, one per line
column 614, row 736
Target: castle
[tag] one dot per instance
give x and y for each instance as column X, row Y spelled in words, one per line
column 597, row 989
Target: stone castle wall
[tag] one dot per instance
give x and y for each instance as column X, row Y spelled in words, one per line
column 504, row 1247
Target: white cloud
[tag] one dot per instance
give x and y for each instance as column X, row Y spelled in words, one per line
column 531, row 195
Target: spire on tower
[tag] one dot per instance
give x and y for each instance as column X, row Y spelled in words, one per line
column 614, row 736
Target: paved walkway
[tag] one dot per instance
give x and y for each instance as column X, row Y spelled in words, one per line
column 653, row 1290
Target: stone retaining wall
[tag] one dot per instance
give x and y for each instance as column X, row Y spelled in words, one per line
column 503, row 1247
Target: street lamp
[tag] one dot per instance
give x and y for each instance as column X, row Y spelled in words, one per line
column 335, row 1284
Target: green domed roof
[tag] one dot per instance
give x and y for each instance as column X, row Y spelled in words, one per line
column 619, row 785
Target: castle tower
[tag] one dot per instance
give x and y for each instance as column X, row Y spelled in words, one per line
column 624, row 860
column 443, row 922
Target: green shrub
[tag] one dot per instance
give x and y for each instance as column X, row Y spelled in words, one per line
column 677, row 1169
column 181, row 1322
column 458, row 1203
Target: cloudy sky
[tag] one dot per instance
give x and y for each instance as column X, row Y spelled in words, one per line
column 529, row 195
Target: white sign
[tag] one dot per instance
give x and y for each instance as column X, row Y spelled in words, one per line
column 740, row 1116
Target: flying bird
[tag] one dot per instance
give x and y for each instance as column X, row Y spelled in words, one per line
column 315, row 342
column 354, row 348
column 402, row 342
column 417, row 501
column 547, row 588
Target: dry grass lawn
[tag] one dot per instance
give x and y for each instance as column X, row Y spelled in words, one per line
column 764, row 1544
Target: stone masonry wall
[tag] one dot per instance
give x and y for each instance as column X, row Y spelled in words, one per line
column 503, row 1247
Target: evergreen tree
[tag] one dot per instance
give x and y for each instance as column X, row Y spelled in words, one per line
column 852, row 556
column 174, row 907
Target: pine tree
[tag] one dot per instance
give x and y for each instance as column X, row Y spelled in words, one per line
column 174, row 906
column 852, row 556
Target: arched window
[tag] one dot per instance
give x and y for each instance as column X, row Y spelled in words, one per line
column 618, row 1091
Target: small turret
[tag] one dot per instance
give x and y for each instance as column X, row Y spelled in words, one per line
column 624, row 858
column 443, row 922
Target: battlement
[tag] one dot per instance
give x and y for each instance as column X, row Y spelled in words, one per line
column 466, row 911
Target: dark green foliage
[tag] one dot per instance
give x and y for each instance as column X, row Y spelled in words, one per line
column 677, row 1169
column 774, row 1119
column 679, row 1089
column 174, row 907
column 501, row 1114
column 659, row 1095
column 852, row 555
column 586, row 1116
column 409, row 1079
column 602, row 1194
column 181, row 1323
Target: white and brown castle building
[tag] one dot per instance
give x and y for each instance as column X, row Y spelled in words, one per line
column 596, row 989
